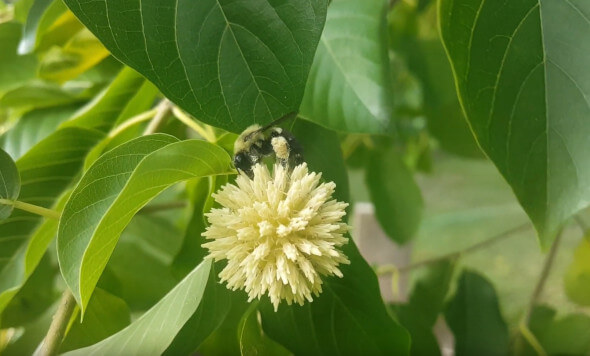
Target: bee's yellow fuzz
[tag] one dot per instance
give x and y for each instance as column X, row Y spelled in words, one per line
column 279, row 233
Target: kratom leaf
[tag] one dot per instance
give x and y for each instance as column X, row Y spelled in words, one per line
column 230, row 64
column 577, row 278
column 116, row 186
column 521, row 72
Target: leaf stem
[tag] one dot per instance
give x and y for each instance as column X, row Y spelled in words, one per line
column 144, row 116
column 35, row 209
column 542, row 279
column 159, row 118
column 55, row 334
column 205, row 132
column 453, row 255
column 531, row 339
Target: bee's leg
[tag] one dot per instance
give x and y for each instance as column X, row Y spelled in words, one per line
column 280, row 146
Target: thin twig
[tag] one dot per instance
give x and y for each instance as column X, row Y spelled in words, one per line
column 55, row 334
column 35, row 209
column 159, row 118
column 144, row 116
column 542, row 279
column 454, row 255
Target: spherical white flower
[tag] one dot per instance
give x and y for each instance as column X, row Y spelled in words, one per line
column 279, row 234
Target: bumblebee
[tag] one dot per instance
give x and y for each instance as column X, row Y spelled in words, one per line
column 257, row 142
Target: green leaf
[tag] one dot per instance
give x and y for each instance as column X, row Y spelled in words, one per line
column 116, row 186
column 154, row 331
column 106, row 315
column 15, row 70
column 349, row 84
column 36, row 29
column 46, row 171
column 10, row 183
column 116, row 102
column 521, row 73
column 252, row 339
column 80, row 53
column 27, row 43
column 566, row 335
column 34, row 298
column 424, row 306
column 251, row 68
column 348, row 317
column 37, row 94
column 577, row 278
column 141, row 263
column 33, row 127
column 321, row 149
column 210, row 314
column 395, row 195
column 475, row 319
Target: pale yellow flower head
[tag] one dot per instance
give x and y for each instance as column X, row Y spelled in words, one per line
column 279, row 233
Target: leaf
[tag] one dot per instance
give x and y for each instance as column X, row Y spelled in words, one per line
column 15, row 70
column 349, row 83
column 521, row 73
column 210, row 314
column 154, row 331
column 141, row 263
column 424, row 307
column 38, row 9
column 252, row 339
column 80, row 53
column 251, row 68
column 46, row 171
column 348, row 317
column 10, row 183
column 566, row 335
column 395, row 194
column 33, row 127
column 116, row 186
column 321, row 149
column 475, row 319
column 112, row 104
column 35, row 31
column 577, row 278
column 106, row 315
column 36, row 94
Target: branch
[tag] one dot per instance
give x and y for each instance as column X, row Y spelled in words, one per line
column 159, row 118
column 57, row 329
column 34, row 209
column 453, row 255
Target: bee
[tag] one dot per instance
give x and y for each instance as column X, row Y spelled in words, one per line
column 258, row 142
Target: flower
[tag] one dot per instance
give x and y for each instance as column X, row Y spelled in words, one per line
column 279, row 234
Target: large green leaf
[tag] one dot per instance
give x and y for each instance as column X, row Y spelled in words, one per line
column 27, row 43
column 424, row 306
column 113, row 189
column 475, row 319
column 252, row 339
column 46, row 171
column 9, row 183
column 154, row 331
column 229, row 63
column 395, row 194
column 521, row 72
column 577, row 278
column 349, row 84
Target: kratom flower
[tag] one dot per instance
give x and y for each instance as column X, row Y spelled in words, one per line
column 279, row 233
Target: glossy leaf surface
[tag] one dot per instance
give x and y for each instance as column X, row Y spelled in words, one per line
column 521, row 73
column 228, row 63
